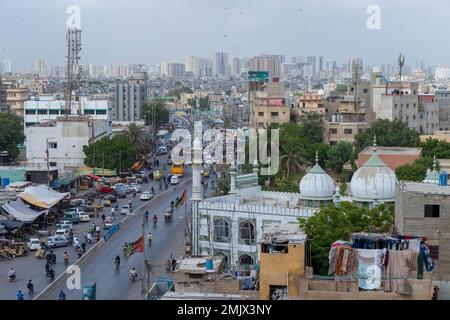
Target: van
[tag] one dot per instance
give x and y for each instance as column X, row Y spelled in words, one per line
column 72, row 216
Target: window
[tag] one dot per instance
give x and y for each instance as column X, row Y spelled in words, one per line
column 431, row 211
column 333, row 131
column 42, row 111
column 261, row 114
column 89, row 111
column 395, row 106
column 245, row 259
column 274, row 114
column 247, row 231
column 407, row 105
column 414, row 117
column 195, row 276
column 348, row 131
column 221, row 229
column 366, row 90
column 30, row 111
column 52, row 164
column 101, row 111
column 51, row 111
column 434, row 252
column 53, row 145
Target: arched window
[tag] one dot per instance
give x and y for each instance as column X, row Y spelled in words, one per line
column 221, row 229
column 247, row 231
column 245, row 259
column 224, row 255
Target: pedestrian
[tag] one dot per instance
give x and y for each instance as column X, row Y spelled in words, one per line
column 97, row 229
column 20, row 295
column 89, row 238
column 62, row 296
column 30, row 287
column 85, row 236
column 157, row 162
column 83, row 246
column 103, row 218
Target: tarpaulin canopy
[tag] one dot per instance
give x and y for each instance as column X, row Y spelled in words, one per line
column 41, row 196
column 12, row 225
column 84, row 171
column 21, row 212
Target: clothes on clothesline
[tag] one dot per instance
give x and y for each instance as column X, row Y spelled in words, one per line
column 426, row 257
column 400, row 267
column 369, row 273
column 342, row 260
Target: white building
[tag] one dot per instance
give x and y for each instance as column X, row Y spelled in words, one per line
column 44, row 108
column 66, row 138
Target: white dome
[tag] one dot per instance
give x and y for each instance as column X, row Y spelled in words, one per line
column 374, row 180
column 317, row 185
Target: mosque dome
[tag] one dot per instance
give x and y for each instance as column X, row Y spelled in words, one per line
column 316, row 184
column 373, row 181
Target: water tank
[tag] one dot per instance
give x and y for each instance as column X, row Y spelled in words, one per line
column 443, row 178
column 209, row 264
column 5, row 182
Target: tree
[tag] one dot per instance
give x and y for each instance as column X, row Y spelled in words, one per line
column 292, row 157
column 333, row 223
column 389, row 134
column 161, row 112
column 192, row 102
column 338, row 155
column 223, row 185
column 138, row 139
column 415, row 171
column 322, row 151
column 11, row 134
column 204, row 103
column 313, row 127
column 114, row 152
column 433, row 147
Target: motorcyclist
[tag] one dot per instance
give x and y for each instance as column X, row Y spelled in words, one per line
column 62, row 296
column 133, row 273
column 47, row 267
column 12, row 274
column 125, row 247
column 117, row 261
column 155, row 219
column 149, row 237
column 51, row 274
column 66, row 258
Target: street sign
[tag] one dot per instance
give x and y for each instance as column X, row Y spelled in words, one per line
column 111, row 231
column 258, row 76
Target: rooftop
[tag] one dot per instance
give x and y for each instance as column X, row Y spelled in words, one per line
column 393, row 150
column 423, row 188
column 198, row 264
column 282, row 232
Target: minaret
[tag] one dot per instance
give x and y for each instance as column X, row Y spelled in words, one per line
column 256, row 170
column 233, row 174
column 197, row 194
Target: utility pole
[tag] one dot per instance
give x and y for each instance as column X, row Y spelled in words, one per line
column 48, row 165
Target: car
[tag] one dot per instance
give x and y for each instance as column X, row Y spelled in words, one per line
column 145, row 196
column 64, row 225
column 121, row 193
column 125, row 209
column 108, row 223
column 57, row 241
column 84, row 217
column 175, row 180
column 106, row 189
column 110, row 197
column 34, row 244
column 119, row 185
column 136, row 187
column 62, row 232
column 72, row 216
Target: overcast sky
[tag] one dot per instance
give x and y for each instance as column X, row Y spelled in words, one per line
column 152, row 31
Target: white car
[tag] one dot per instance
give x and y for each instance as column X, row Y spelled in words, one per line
column 145, row 196
column 64, row 225
column 125, row 209
column 119, row 186
column 34, row 244
column 175, row 180
column 62, row 233
column 84, row 217
column 136, row 187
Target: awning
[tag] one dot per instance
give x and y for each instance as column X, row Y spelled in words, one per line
column 84, row 171
column 12, row 225
column 41, row 196
column 21, row 212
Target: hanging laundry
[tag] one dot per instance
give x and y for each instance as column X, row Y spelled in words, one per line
column 369, row 274
column 426, row 256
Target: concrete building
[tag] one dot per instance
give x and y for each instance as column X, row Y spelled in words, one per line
column 236, row 66
column 309, row 102
column 64, row 138
column 220, row 64
column 44, row 108
column 336, row 131
column 266, row 62
column 39, row 67
column 442, row 97
column 128, row 97
column 282, row 253
column 172, row 69
column 268, row 105
column 16, row 95
column 4, row 107
column 424, row 209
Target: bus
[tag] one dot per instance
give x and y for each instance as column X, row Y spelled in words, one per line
column 177, row 169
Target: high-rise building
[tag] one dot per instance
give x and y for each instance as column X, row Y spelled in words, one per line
column 128, row 97
column 321, row 64
column 220, row 64
column 266, row 62
column 39, row 67
column 172, row 69
column 311, row 61
column 236, row 66
column 5, row 66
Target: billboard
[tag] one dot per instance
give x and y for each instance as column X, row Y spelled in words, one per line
column 258, row 76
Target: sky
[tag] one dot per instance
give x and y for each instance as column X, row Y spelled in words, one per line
column 153, row 31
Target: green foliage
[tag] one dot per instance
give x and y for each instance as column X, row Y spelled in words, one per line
column 204, row 103
column 11, row 134
column 222, row 185
column 313, row 127
column 433, row 147
column 389, row 134
column 415, row 171
column 343, row 188
column 333, row 223
column 139, row 140
column 192, row 103
column 322, row 150
column 338, row 155
column 113, row 152
column 161, row 112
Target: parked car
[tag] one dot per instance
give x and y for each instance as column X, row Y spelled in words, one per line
column 62, row 232
column 145, row 196
column 84, row 217
column 175, row 180
column 64, row 225
column 34, row 244
column 125, row 209
column 136, row 187
column 57, row 241
column 72, row 216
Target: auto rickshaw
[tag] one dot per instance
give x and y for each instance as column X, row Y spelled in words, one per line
column 90, row 291
column 157, row 175
column 40, row 253
column 17, row 249
column 168, row 215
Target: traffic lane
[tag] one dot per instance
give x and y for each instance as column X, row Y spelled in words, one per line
column 100, row 268
column 30, row 267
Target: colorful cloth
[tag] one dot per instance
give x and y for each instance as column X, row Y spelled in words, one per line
column 426, row 256
column 369, row 274
column 137, row 246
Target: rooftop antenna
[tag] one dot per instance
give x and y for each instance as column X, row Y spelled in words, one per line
column 401, row 63
column 73, row 69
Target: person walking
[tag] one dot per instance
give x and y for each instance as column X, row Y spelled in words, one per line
column 20, row 295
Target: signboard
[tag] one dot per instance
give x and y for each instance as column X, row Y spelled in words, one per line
column 258, row 76
column 111, row 231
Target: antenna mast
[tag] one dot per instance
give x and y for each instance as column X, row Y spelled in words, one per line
column 73, row 69
column 401, row 63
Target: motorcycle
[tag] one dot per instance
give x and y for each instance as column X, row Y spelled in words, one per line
column 117, row 265
column 12, row 278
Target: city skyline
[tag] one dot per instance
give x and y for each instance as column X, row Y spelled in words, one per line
column 157, row 31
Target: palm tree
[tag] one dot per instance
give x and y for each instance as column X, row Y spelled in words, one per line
column 292, row 156
column 138, row 139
